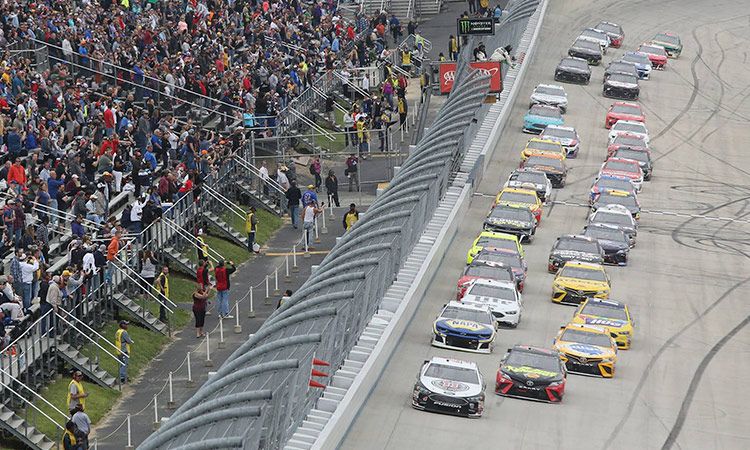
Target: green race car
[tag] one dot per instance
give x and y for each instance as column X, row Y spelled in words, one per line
column 671, row 43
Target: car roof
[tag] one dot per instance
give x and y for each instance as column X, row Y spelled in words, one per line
column 495, row 234
column 508, row 251
column 617, row 193
column 626, row 104
column 527, row 170
column 533, row 349
column 548, row 155
column 584, row 265
column 606, row 302
column 539, row 105
column 558, row 127
column 575, row 58
column 614, row 209
column 518, row 191
column 467, row 306
column 453, row 362
column 624, row 160
column 516, row 207
column 493, row 283
column 553, row 86
column 495, row 264
column 587, row 328
column 575, row 237
column 601, row 225
column 546, row 141
column 630, row 122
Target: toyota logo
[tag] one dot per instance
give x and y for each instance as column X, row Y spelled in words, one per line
column 529, row 383
column 583, row 360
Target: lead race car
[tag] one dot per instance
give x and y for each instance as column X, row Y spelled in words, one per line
column 449, row 386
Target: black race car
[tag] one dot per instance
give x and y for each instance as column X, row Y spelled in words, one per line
column 621, row 86
column 571, row 247
column 627, row 68
column 554, row 168
column 512, row 220
column 531, row 372
column 637, row 154
column 613, row 240
column 573, row 70
column 586, row 49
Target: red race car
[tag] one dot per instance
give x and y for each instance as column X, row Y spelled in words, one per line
column 485, row 270
column 624, row 168
column 623, row 111
column 626, row 140
column 656, row 54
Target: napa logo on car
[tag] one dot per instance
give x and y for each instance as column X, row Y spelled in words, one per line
column 604, row 321
column 450, row 385
column 585, row 349
column 531, row 372
column 463, row 325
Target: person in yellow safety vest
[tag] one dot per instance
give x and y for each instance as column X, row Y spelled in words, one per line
column 351, row 217
column 453, row 48
column 405, row 59
column 76, row 393
column 403, row 109
column 251, row 227
column 122, row 342
column 419, row 40
column 69, row 440
column 162, row 287
column 203, row 247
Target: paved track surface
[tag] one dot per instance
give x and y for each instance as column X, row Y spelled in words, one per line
column 682, row 384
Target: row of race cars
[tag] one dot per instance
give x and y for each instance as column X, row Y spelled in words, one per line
column 489, row 292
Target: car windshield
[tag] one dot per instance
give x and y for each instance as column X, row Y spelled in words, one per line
column 605, row 311
column 451, row 312
column 615, row 183
column 586, row 337
column 548, row 363
column 639, row 58
column 490, row 272
column 543, row 146
column 544, row 111
column 624, row 200
column 518, row 197
column 501, row 292
column 549, row 90
column 623, row 78
column 577, row 245
column 453, row 373
column 558, row 133
column 626, row 109
column 669, row 39
column 609, row 234
column 621, row 166
column 653, row 50
column 529, row 177
column 496, row 243
column 583, row 273
column 620, row 67
column 544, row 161
column 632, row 154
column 520, row 214
column 594, row 34
column 635, row 127
column 574, row 63
column 613, row 218
column 609, row 28
column 589, row 45
column 634, row 141
column 509, row 258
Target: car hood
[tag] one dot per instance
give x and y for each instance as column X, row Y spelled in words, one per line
column 541, row 119
column 623, row 116
column 509, row 223
column 535, row 186
column 530, row 374
column 575, row 255
column 620, row 173
column 562, row 141
column 450, row 388
column 667, row 45
column 470, row 328
column 584, row 350
column 586, row 50
column 602, row 321
column 607, row 244
column 573, row 69
column 621, row 84
column 552, row 170
column 582, row 285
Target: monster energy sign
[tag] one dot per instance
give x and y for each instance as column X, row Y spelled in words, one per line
column 476, row 27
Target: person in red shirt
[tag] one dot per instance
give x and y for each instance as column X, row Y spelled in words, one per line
column 109, row 122
column 17, row 173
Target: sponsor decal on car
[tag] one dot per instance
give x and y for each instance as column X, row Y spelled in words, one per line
column 530, row 371
column 464, row 325
column 585, row 348
column 603, row 321
column 450, row 386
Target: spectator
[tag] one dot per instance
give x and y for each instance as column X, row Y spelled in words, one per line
column 148, row 269
column 222, row 273
column 332, row 188
column 293, row 197
column 83, row 424
column 162, row 287
column 76, row 393
column 69, row 440
column 76, row 227
column 351, row 217
column 28, row 267
column 315, row 172
column 200, row 296
column 310, row 196
column 352, row 171
column 309, row 213
column 201, row 275
column 202, row 246
column 123, row 343
column 287, row 295
column 112, row 250
column 251, row 227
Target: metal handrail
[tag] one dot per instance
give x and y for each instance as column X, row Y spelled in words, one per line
column 255, row 171
column 356, row 88
column 325, row 96
column 311, row 124
column 224, row 201
column 142, row 280
column 33, row 406
column 15, row 341
column 33, row 392
column 57, row 213
column 194, row 240
column 89, row 337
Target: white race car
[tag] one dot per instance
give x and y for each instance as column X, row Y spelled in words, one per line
column 630, row 127
column 464, row 326
column 549, row 94
column 535, row 180
column 449, row 386
column 502, row 297
column 598, row 36
column 566, row 136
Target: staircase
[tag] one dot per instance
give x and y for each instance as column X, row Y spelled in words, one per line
column 262, row 200
column 182, row 263
column 225, row 229
column 143, row 317
column 85, row 365
column 16, row 426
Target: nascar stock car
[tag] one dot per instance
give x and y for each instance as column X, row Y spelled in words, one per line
column 641, row 156
column 670, row 42
column 610, row 183
column 642, row 63
column 566, row 136
column 463, row 326
column 573, row 70
column 613, row 240
column 512, row 219
column 598, row 36
column 587, row 50
column 625, row 168
column 626, row 140
column 534, row 373
column 540, row 146
column 539, row 116
column 629, row 127
column 623, row 111
column 656, row 54
column 571, row 247
column 502, row 297
column 614, row 31
column 506, row 257
column 483, row 268
column 576, row 281
column 553, row 166
column 449, row 386
column 549, row 94
column 620, row 67
column 622, row 86
column 530, row 179
column 491, row 239
column 607, row 313
column 587, row 350
column 616, row 216
column 614, row 197
column 523, row 198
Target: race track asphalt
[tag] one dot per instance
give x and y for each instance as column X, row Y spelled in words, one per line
column 684, row 383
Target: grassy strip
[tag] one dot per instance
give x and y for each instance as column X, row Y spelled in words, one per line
column 268, row 223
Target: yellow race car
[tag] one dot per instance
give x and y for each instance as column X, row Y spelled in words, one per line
column 587, row 349
column 521, row 198
column 491, row 239
column 576, row 281
column 613, row 315
column 537, row 146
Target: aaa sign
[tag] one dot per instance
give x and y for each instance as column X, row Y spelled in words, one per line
column 491, row 68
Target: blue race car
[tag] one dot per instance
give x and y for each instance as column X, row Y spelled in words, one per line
column 463, row 326
column 642, row 63
column 539, row 116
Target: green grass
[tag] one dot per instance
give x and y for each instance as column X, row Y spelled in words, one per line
column 147, row 345
column 226, row 249
column 98, row 403
column 268, row 223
